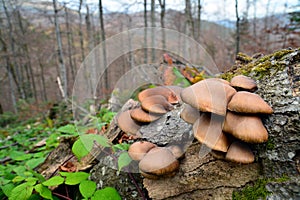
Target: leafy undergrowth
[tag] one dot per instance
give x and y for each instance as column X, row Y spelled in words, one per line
column 25, row 145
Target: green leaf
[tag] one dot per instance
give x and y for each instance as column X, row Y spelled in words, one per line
column 19, row 155
column 53, row 181
column 85, row 143
column 87, row 188
column 122, row 146
column 31, row 180
column 123, row 160
column 76, row 178
column 7, row 189
column 70, row 129
column 21, row 192
column 33, row 163
column 108, row 193
column 43, row 191
column 18, row 179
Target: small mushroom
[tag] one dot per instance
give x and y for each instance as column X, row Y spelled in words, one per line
column 247, row 102
column 140, row 115
column 158, row 162
column 189, row 114
column 169, row 92
column 246, row 128
column 240, row 153
column 177, row 151
column 241, row 82
column 208, row 130
column 139, row 149
column 208, row 95
column 156, row 104
column 127, row 124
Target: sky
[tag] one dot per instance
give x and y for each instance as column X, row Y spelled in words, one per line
column 212, row 9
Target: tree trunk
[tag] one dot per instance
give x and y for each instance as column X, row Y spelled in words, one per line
column 237, row 41
column 190, row 31
column 145, row 32
column 42, row 74
column 15, row 68
column 89, row 29
column 162, row 4
column 62, row 67
column 199, row 7
column 106, row 82
column 80, row 33
column 70, row 44
column 152, row 30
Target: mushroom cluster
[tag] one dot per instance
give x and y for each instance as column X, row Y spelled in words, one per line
column 225, row 116
column 154, row 102
column 155, row 162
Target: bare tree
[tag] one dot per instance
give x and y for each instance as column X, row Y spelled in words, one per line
column 89, row 29
column 106, row 83
column 189, row 19
column 152, row 30
column 70, row 43
column 237, row 28
column 162, row 4
column 80, row 33
column 199, row 8
column 145, row 32
column 62, row 67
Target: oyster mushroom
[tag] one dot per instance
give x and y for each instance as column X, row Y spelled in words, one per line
column 247, row 102
column 139, row 149
column 209, row 95
column 248, row 128
column 189, row 114
column 156, row 104
column 158, row 162
column 240, row 153
column 208, row 130
column 169, row 92
column 127, row 124
column 140, row 115
column 241, row 82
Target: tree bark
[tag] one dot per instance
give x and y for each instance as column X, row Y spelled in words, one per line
column 62, row 67
column 145, row 32
column 106, row 82
column 237, row 41
column 152, row 30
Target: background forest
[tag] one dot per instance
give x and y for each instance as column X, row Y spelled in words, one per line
column 43, row 43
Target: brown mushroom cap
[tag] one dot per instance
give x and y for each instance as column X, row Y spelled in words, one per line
column 208, row 130
column 247, row 102
column 127, row 124
column 239, row 152
column 176, row 151
column 156, row 104
column 169, row 92
column 208, row 95
column 139, row 149
column 246, row 128
column 189, row 114
column 140, row 115
column 242, row 82
column 158, row 161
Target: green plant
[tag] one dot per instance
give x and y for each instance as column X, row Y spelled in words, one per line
column 7, row 118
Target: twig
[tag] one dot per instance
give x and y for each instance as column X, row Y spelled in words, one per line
column 62, row 196
column 137, row 186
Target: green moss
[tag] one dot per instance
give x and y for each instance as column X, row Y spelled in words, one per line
column 258, row 189
column 254, row 192
column 270, row 144
column 267, row 65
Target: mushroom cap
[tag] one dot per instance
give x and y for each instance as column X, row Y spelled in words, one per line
column 241, row 82
column 139, row 149
column 239, row 152
column 171, row 93
column 246, row 128
column 189, row 114
column 209, row 95
column 159, row 161
column 247, row 102
column 127, row 124
column 156, row 104
column 208, row 130
column 176, row 151
column 138, row 114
